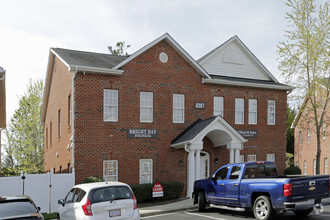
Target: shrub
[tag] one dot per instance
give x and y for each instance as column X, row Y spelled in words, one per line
column 143, row 192
column 92, row 179
column 292, row 170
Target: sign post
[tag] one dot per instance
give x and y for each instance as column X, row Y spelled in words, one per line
column 157, row 190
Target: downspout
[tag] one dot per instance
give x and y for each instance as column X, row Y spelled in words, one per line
column 73, row 116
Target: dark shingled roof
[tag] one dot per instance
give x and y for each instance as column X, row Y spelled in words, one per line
column 193, row 130
column 88, row 59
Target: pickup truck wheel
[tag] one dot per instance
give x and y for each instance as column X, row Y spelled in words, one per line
column 302, row 213
column 201, row 202
column 262, row 208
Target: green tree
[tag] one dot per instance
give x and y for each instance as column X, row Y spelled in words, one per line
column 304, row 59
column 120, row 50
column 24, row 150
column 290, row 131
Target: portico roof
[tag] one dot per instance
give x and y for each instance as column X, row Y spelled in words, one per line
column 207, row 127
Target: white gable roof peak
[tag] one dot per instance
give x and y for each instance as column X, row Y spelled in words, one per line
column 175, row 46
column 233, row 56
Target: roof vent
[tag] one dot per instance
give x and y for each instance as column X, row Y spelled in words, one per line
column 163, row 57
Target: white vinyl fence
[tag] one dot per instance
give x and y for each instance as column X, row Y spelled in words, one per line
column 44, row 189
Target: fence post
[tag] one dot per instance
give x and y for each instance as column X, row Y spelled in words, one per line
column 50, row 174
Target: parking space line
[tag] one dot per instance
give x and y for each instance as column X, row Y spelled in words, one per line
column 154, row 216
column 200, row 215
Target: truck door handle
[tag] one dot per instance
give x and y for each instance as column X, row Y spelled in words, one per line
column 235, row 184
column 222, row 184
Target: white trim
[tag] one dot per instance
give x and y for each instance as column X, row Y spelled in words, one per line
column 143, row 107
column 110, row 175
column 151, row 171
column 250, row 122
column 175, row 46
column 177, row 97
column 245, row 84
column 239, row 110
column 271, row 102
column 271, row 157
column 251, row 155
column 116, row 116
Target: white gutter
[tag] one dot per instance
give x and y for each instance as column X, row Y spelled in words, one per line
column 97, row 70
column 245, row 84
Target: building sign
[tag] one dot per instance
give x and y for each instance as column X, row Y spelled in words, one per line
column 248, row 133
column 200, row 105
column 142, row 133
column 157, row 190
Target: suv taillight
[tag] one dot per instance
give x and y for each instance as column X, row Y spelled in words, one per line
column 134, row 201
column 287, row 189
column 87, row 208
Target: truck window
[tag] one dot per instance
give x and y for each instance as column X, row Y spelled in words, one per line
column 222, row 173
column 260, row 171
column 235, row 171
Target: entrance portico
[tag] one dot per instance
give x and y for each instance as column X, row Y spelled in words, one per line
column 221, row 134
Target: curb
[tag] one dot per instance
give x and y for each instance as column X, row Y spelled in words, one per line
column 151, row 213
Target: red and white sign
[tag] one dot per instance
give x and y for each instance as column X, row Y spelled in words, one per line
column 157, row 190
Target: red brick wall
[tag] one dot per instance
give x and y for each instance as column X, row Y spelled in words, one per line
column 307, row 151
column 96, row 140
column 61, row 88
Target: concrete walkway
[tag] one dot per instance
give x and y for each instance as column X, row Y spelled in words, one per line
column 182, row 205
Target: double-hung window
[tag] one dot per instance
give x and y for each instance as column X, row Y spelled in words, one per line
column 110, row 170
column 271, row 157
column 271, row 112
column 146, row 106
column 145, row 171
column 239, row 111
column 110, row 101
column 218, row 106
column 308, row 136
column 253, row 106
column 178, row 108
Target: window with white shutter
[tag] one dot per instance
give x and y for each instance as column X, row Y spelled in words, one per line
column 271, row 112
column 218, row 106
column 110, row 170
column 110, row 103
column 145, row 171
column 253, row 106
column 178, row 108
column 146, row 106
column 239, row 111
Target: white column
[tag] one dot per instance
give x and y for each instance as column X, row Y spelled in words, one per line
column 198, row 164
column 237, row 155
column 234, row 148
column 231, row 156
column 191, row 171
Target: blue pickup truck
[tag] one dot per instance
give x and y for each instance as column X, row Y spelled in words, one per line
column 257, row 186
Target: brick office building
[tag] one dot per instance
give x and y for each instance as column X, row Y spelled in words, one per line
column 305, row 140
column 159, row 114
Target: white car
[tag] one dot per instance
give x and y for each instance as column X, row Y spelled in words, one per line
column 102, row 200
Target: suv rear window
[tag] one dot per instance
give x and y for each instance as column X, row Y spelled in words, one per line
column 16, row 207
column 109, row 194
column 260, row 171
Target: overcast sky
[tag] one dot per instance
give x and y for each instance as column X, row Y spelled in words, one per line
column 28, row 28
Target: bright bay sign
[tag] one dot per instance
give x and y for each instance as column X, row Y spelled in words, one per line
column 142, row 133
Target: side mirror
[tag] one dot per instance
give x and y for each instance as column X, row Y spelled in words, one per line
column 39, row 209
column 61, row 202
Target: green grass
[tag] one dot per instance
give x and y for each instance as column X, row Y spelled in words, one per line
column 50, row 215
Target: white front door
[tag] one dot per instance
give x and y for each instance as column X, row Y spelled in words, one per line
column 205, row 165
